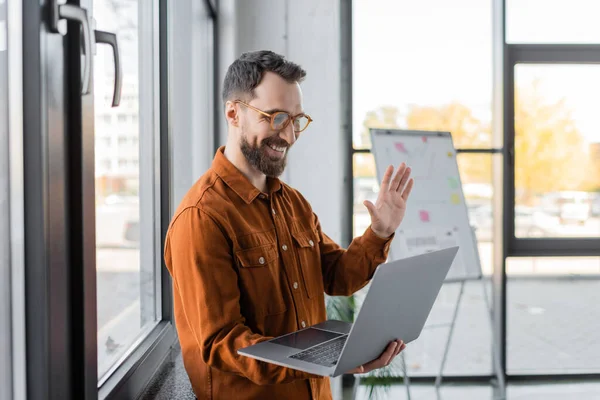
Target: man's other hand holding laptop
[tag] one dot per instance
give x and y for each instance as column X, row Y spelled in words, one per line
column 393, row 349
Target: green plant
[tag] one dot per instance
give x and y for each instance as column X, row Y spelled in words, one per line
column 380, row 381
column 340, row 308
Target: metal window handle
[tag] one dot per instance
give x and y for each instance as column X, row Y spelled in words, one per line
column 75, row 13
column 111, row 39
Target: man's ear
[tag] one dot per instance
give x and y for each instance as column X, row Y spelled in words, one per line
column 232, row 113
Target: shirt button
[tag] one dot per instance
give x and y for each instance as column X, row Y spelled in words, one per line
column 303, row 324
column 261, row 260
column 262, row 196
column 295, row 285
column 284, row 247
column 311, row 243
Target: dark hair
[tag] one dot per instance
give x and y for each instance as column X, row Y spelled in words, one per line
column 246, row 73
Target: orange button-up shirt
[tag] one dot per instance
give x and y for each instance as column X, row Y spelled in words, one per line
column 249, row 266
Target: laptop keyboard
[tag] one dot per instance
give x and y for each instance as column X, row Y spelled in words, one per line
column 325, row 354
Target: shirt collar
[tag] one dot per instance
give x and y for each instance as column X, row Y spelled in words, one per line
column 237, row 181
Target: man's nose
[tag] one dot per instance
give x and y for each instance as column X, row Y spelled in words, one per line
column 288, row 134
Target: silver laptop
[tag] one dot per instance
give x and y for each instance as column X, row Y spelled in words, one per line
column 396, row 306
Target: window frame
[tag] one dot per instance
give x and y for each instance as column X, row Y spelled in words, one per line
column 540, row 54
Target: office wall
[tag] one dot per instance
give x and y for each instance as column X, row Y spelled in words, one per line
column 191, row 97
column 308, row 33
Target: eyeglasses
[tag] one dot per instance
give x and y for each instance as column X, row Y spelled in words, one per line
column 280, row 119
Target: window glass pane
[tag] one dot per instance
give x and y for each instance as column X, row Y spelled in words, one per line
column 470, row 349
column 5, row 276
column 557, row 151
column 366, row 187
column 552, row 312
column 552, row 21
column 423, row 65
column 476, row 177
column 125, row 211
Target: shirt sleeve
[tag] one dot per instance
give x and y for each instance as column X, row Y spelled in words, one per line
column 345, row 271
column 200, row 257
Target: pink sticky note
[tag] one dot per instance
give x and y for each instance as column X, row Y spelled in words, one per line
column 424, row 216
column 400, row 147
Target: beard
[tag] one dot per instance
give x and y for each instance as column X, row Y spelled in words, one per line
column 258, row 157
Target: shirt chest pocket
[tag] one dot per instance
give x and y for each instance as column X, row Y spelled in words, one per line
column 309, row 256
column 261, row 280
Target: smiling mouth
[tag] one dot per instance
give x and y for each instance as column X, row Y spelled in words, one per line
column 280, row 149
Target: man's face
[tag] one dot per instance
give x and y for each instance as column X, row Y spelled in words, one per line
column 264, row 148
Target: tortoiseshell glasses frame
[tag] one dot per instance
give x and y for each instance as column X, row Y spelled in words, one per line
column 281, row 119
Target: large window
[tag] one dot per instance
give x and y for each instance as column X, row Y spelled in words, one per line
column 530, row 160
column 428, row 66
column 127, row 251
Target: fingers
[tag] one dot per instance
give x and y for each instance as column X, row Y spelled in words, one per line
column 392, row 351
column 409, row 187
column 398, row 177
column 387, row 177
column 387, row 355
column 401, row 346
column 404, row 175
column 401, row 178
column 358, row 370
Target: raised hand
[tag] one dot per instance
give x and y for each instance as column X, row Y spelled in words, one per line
column 389, row 208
